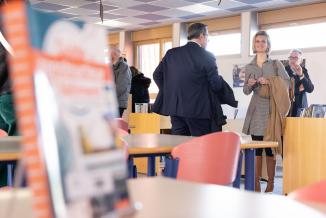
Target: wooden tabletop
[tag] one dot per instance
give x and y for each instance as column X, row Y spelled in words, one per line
column 138, row 144
column 161, row 197
column 10, row 148
column 247, row 143
column 153, row 143
column 162, row 143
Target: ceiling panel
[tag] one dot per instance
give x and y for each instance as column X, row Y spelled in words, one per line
column 135, row 14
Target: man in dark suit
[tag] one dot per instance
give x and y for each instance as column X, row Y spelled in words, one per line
column 302, row 82
column 188, row 83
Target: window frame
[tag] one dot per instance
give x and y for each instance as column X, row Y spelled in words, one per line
column 147, row 42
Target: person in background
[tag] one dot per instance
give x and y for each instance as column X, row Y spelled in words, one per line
column 257, row 73
column 302, row 82
column 122, row 78
column 7, row 109
column 187, row 77
column 139, row 87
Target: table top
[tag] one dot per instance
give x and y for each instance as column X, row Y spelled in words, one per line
column 162, row 197
column 138, row 144
column 10, row 148
column 153, row 143
column 163, row 143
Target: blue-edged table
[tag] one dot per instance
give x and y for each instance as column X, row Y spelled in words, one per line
column 153, row 145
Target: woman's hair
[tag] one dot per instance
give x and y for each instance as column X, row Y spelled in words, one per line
column 261, row 33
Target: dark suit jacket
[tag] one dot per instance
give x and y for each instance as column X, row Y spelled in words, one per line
column 226, row 95
column 300, row 100
column 185, row 77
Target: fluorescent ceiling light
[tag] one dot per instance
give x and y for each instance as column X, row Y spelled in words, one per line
column 198, row 8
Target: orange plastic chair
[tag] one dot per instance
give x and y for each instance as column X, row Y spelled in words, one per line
column 122, row 124
column 211, row 158
column 315, row 193
column 3, row 133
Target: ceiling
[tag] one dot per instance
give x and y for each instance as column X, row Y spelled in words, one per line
column 142, row 14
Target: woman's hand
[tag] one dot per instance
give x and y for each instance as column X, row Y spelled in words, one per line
column 262, row 80
column 252, row 82
column 298, row 70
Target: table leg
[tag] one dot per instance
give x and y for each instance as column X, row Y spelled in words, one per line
column 236, row 183
column 250, row 169
column 151, row 166
column 131, row 173
column 10, row 168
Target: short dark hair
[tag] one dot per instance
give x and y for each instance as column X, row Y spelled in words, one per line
column 195, row 30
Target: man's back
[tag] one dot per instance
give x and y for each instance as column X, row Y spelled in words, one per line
column 183, row 78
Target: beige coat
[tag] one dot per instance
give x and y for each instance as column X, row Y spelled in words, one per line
column 279, row 108
column 259, row 107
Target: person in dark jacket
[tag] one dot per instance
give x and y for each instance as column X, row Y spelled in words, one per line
column 188, row 82
column 139, row 87
column 7, row 110
column 302, row 82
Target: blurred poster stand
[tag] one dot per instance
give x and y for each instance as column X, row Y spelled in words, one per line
column 66, row 103
column 238, row 74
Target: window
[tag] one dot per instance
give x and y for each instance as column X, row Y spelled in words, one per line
column 302, row 36
column 166, row 46
column 224, row 44
column 149, row 56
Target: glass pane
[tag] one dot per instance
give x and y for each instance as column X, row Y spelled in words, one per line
column 149, row 58
column 303, row 36
column 225, row 44
column 166, row 47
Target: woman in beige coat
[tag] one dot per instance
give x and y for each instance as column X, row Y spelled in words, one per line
column 257, row 73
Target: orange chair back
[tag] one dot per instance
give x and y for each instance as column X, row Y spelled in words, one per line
column 3, row 133
column 122, row 124
column 313, row 193
column 211, row 158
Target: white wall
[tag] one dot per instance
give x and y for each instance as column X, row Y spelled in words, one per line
column 315, row 63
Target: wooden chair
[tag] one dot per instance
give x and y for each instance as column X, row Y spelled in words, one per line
column 140, row 123
column 211, row 158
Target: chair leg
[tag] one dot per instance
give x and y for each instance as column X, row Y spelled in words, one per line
column 259, row 162
column 271, row 164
